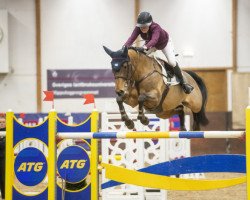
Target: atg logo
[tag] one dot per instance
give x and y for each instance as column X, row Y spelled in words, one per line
column 73, row 164
column 30, row 166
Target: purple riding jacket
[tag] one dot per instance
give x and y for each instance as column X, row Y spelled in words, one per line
column 155, row 37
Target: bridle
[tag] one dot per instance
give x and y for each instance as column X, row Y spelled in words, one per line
column 130, row 73
column 128, row 77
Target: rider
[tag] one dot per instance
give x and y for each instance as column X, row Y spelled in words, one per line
column 157, row 39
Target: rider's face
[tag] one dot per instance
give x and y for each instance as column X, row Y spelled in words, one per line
column 2, row 122
column 144, row 29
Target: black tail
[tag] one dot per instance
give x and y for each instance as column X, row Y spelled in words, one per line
column 200, row 117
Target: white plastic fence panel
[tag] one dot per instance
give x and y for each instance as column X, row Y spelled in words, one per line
column 135, row 154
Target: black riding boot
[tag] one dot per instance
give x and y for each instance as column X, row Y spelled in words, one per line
column 187, row 88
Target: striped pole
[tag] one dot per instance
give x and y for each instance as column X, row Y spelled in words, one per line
column 137, row 135
column 134, row 135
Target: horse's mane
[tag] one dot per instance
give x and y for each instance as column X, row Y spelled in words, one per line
column 136, row 49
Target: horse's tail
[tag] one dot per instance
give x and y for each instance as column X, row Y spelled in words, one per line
column 201, row 115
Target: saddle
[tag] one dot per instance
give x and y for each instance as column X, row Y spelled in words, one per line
column 169, row 77
column 165, row 66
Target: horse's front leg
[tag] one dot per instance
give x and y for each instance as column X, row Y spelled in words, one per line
column 141, row 116
column 128, row 122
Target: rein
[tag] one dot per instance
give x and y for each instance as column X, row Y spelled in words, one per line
column 148, row 75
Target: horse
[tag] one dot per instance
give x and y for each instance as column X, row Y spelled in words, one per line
column 139, row 82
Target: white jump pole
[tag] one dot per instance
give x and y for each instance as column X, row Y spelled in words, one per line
column 143, row 135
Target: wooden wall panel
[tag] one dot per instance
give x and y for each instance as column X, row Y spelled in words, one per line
column 216, row 82
column 241, row 82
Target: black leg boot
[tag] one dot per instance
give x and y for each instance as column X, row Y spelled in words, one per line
column 187, row 88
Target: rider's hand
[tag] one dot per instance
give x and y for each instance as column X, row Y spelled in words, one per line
column 141, row 49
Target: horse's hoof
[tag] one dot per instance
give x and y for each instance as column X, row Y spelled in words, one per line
column 144, row 121
column 130, row 124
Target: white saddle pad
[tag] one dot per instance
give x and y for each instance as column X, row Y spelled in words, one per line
column 167, row 80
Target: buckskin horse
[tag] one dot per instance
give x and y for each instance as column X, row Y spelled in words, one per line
column 139, row 81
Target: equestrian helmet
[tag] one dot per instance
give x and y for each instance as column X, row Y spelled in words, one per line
column 144, row 19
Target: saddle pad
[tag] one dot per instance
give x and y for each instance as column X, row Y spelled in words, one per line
column 167, row 80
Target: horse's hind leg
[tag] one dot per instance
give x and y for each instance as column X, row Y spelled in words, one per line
column 144, row 120
column 128, row 122
column 181, row 114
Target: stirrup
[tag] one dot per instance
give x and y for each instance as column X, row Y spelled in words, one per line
column 187, row 88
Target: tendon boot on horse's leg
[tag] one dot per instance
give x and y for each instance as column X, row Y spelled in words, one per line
column 128, row 122
column 181, row 114
column 144, row 120
column 187, row 88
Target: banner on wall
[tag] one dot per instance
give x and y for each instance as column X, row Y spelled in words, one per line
column 76, row 83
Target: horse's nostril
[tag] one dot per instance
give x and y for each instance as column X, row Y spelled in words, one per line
column 120, row 92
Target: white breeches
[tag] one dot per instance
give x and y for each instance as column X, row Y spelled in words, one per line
column 168, row 51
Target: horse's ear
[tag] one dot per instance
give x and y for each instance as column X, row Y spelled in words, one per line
column 125, row 50
column 108, row 51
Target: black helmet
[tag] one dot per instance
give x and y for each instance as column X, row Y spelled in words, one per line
column 144, row 19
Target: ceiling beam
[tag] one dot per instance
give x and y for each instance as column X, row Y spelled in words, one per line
column 38, row 56
column 137, row 9
column 136, row 13
column 234, row 34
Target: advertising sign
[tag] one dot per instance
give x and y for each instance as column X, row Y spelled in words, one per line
column 76, row 83
column 30, row 166
column 73, row 164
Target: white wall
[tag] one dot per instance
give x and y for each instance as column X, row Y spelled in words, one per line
column 244, row 35
column 4, row 42
column 202, row 28
column 18, row 88
column 74, row 31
